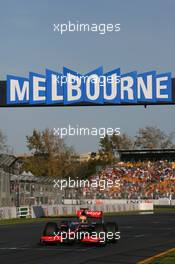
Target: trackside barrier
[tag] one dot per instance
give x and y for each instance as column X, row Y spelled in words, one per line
column 58, row 210
column 87, row 202
column 24, row 212
column 42, row 211
column 8, row 212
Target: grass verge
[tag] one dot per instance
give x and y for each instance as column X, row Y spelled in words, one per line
column 168, row 259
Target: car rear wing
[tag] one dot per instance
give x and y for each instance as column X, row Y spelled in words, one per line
column 90, row 214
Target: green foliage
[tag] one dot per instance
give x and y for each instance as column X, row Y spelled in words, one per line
column 146, row 138
column 153, row 138
column 110, row 144
column 50, row 155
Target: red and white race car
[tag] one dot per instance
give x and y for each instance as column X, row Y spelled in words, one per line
column 89, row 228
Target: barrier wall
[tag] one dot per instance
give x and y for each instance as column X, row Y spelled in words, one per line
column 161, row 201
column 104, row 201
column 58, row 210
column 44, row 211
column 8, row 212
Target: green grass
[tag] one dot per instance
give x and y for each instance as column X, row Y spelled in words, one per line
column 22, row 220
column 169, row 259
column 164, row 209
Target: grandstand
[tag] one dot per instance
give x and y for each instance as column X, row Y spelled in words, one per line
column 6, row 161
column 143, row 174
column 8, row 164
column 27, row 189
column 146, row 174
column 22, row 188
column 4, row 188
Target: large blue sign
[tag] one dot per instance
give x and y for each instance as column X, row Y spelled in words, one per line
column 95, row 87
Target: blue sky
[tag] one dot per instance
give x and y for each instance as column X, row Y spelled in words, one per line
column 146, row 42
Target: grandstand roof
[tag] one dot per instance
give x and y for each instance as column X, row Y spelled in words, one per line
column 6, row 160
column 29, row 177
column 147, row 154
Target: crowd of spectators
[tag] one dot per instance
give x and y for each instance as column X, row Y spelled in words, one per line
column 137, row 180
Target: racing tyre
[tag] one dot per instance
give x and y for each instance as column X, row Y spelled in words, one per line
column 42, row 243
column 100, row 229
column 112, row 228
column 51, row 229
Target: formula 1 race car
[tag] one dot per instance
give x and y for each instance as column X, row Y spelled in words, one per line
column 88, row 228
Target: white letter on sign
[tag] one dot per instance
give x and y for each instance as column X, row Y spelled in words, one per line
column 127, row 88
column 160, row 87
column 22, row 94
column 93, row 79
column 37, row 88
column 71, row 79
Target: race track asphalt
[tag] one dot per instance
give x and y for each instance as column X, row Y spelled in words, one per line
column 141, row 236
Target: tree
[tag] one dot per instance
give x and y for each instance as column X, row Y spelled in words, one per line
column 122, row 141
column 110, row 144
column 2, row 142
column 50, row 155
column 106, row 149
column 153, row 138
